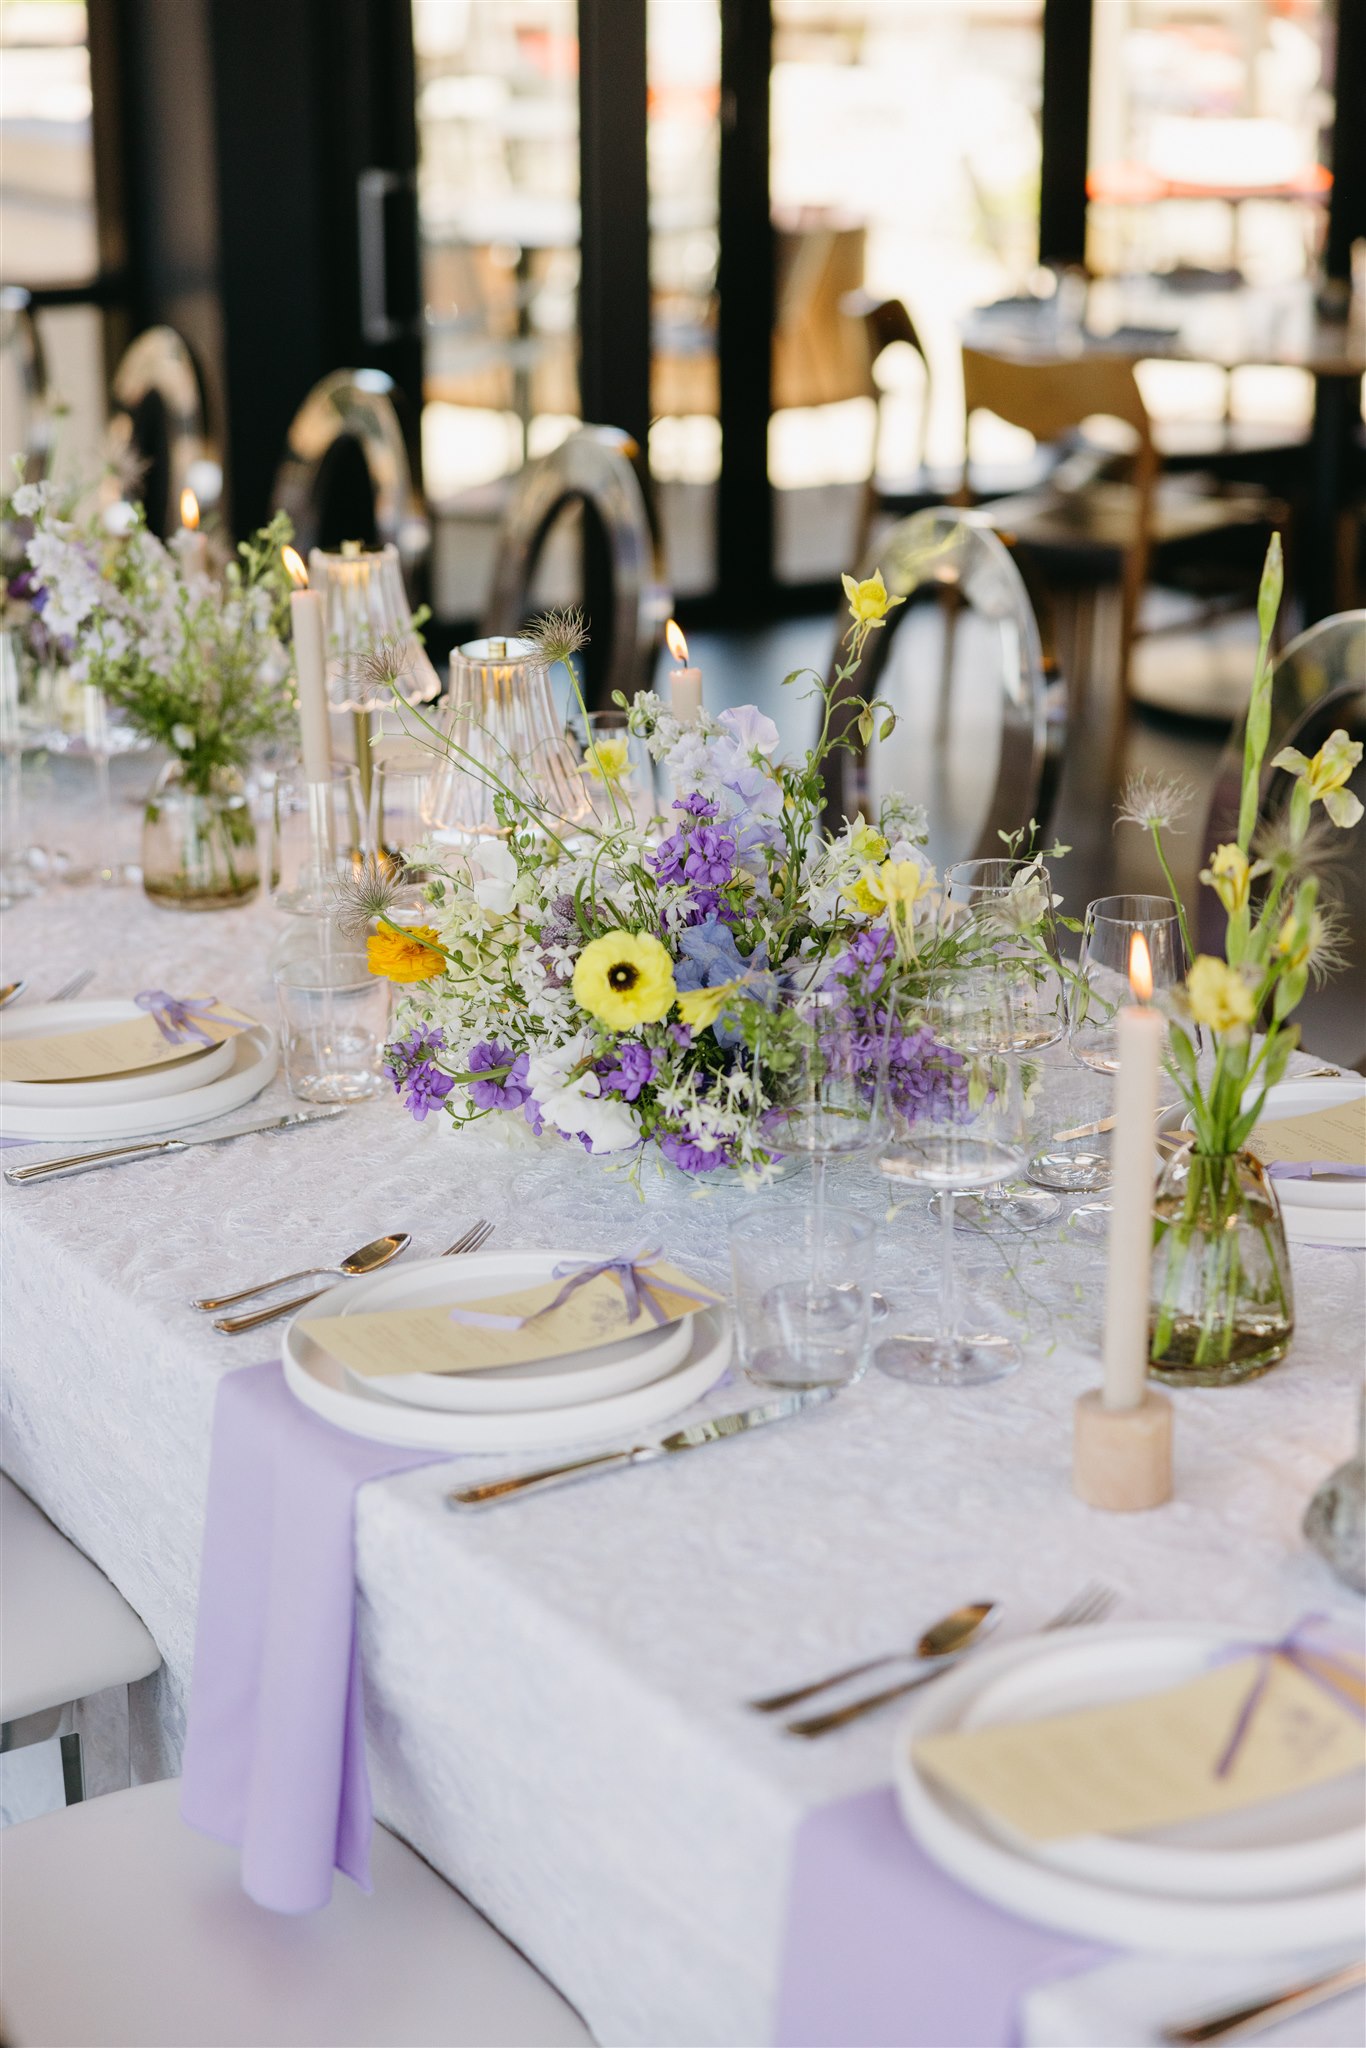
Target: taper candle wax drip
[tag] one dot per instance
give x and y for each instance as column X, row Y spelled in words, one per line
column 685, row 684
column 191, row 545
column 306, row 617
column 1122, row 1447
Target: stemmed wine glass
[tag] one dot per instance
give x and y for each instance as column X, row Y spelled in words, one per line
column 1006, row 907
column 1099, row 992
column 955, row 1106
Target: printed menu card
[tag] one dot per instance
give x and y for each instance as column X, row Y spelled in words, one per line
column 1329, row 1137
column 101, row 1052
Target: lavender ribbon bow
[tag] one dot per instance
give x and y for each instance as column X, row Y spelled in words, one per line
column 176, row 1017
column 630, row 1270
column 1313, row 1169
column 1340, row 1679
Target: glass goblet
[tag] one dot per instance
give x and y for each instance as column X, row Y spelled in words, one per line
column 954, row 1103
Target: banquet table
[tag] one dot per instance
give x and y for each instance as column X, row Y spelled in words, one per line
column 554, row 1688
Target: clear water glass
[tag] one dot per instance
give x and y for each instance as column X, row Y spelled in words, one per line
column 803, row 1288
column 334, row 1019
column 317, row 833
column 957, row 1121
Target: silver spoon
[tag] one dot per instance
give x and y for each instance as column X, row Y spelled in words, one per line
column 365, row 1260
column 11, row 992
column 945, row 1639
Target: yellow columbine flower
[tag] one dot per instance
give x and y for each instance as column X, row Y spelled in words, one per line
column 607, row 761
column 866, row 843
column 1229, row 874
column 894, row 885
column 405, row 956
column 625, row 979
column 1296, row 943
column 1219, row 999
column 1327, row 774
column 700, row 1007
column 869, row 603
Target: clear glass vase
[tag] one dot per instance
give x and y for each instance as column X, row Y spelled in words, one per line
column 199, row 843
column 1222, row 1305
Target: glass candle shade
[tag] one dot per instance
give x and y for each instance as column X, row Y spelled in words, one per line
column 502, row 735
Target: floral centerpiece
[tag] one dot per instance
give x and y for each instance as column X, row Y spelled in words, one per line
column 196, row 662
column 1222, row 1303
column 609, row 984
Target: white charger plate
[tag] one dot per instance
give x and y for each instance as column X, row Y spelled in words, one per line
column 543, row 1383
column 323, row 1384
column 200, row 1065
column 1178, row 1922
column 255, row 1060
column 1314, row 1837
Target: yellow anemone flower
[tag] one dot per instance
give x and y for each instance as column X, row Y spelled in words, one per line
column 625, row 979
column 405, row 956
column 869, row 603
column 1219, row 998
column 1327, row 774
column 700, row 1007
column 607, row 760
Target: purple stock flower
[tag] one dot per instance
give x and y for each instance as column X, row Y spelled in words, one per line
column 635, row 1069
column 924, row 1078
column 504, row 1090
column 710, row 859
column 681, row 1149
column 416, row 1078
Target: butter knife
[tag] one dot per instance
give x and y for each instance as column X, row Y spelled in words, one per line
column 712, row 1431
column 151, row 1148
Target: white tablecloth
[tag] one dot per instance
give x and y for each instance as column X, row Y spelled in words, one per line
column 554, row 1689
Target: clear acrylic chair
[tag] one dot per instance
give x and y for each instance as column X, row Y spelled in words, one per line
column 345, row 473
column 158, row 438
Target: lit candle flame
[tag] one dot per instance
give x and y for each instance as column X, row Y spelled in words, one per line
column 678, row 646
column 189, row 510
column 1140, row 968
column 294, row 567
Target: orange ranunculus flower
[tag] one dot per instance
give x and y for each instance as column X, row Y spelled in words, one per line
column 405, row 956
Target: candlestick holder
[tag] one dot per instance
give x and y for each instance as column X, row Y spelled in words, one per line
column 1122, row 1457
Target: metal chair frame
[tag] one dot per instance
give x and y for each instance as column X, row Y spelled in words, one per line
column 160, row 365
column 360, row 406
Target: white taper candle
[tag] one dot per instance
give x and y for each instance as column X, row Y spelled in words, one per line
column 1140, row 1031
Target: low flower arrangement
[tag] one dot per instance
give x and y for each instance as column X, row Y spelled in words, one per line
column 613, row 986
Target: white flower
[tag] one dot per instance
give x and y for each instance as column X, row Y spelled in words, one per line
column 755, row 735
column 577, row 1106
column 495, row 885
column 30, row 499
column 183, row 738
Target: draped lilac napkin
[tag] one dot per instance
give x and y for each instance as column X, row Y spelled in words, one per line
column 275, row 1751
column 1313, row 1169
column 885, row 1950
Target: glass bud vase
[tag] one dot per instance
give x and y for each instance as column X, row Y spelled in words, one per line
column 1222, row 1306
column 199, row 843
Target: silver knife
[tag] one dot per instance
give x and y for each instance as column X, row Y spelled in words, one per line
column 150, row 1148
column 710, row 1432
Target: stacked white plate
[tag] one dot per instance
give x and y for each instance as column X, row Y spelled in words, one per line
column 1322, row 1209
column 209, row 1082
column 631, row 1385
column 1288, row 1873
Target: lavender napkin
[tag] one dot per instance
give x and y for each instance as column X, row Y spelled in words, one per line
column 884, row 1950
column 275, row 1751
column 1312, row 1169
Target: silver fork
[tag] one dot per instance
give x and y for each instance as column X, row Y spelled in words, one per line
column 474, row 1239
column 71, row 989
column 1091, row 1604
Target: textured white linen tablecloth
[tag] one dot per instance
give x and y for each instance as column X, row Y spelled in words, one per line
column 554, row 1689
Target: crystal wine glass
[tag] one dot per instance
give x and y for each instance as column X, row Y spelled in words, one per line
column 954, row 1102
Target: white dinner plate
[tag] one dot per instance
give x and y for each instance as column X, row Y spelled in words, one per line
column 1313, row 1838
column 1321, row 1210
column 255, row 1058
column 543, row 1383
column 323, row 1384
column 961, row 1842
column 201, row 1065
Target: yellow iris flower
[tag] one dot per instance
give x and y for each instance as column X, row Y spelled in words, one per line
column 1327, row 774
column 1296, row 942
column 1229, row 874
column 405, row 956
column 700, row 1007
column 625, row 979
column 1219, row 998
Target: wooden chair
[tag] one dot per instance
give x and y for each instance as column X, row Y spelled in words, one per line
column 345, row 473
column 158, row 437
column 1088, row 528
column 592, row 470
column 982, row 710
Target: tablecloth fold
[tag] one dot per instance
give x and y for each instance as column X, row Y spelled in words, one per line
column 275, row 1750
column 885, row 1950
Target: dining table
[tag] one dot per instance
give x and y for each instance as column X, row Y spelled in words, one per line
column 556, row 1687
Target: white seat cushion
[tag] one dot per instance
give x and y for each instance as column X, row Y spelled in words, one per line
column 64, row 1631
column 122, row 1928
